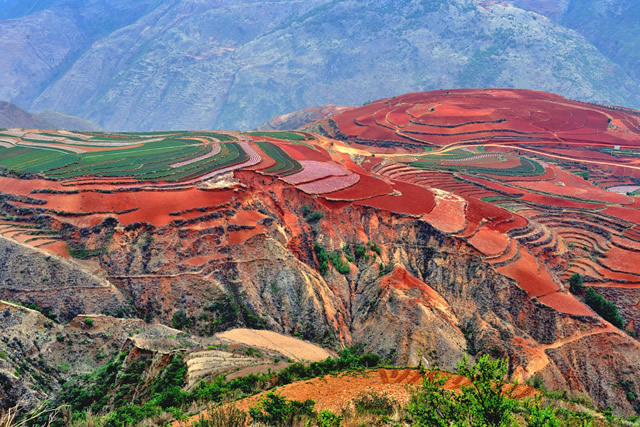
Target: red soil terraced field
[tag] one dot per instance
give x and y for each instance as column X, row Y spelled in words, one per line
column 460, row 116
column 489, row 242
column 569, row 185
column 408, row 199
column 448, row 215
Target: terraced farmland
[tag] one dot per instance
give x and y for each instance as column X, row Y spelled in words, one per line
column 517, row 182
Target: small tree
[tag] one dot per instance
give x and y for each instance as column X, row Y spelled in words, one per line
column 576, row 285
column 89, row 322
column 485, row 400
column 604, row 308
column 275, row 410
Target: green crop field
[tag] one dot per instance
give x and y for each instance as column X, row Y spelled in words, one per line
column 148, row 161
column 289, row 136
column 285, row 164
column 526, row 167
column 34, row 160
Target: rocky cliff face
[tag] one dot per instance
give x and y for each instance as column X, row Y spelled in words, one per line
column 205, row 64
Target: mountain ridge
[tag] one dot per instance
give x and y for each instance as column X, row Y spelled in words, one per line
column 207, row 65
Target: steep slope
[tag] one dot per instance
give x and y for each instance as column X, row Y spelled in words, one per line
column 610, row 25
column 45, row 38
column 202, row 64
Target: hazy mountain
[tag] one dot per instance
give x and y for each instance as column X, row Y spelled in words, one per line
column 56, row 120
column 12, row 116
column 611, row 25
column 229, row 64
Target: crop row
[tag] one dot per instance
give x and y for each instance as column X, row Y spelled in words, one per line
column 285, row 164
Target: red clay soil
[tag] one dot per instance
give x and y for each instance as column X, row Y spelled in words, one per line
column 58, row 248
column 500, row 188
column 457, row 115
column 23, row 187
column 401, row 279
column 622, row 260
column 531, row 275
column 499, row 218
column 238, row 237
column 414, row 200
column 154, row 207
column 303, row 152
column 448, row 215
column 568, row 184
column 330, row 184
column 333, row 392
column 366, row 188
column 566, row 303
column 557, row 201
column 489, row 242
column 631, row 215
column 314, row 170
column 90, row 202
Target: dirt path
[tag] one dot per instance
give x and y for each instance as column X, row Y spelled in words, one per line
column 579, row 335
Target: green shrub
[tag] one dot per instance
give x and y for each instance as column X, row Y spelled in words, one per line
column 374, row 403
column 89, row 322
column 323, row 258
column 275, row 410
column 361, row 251
column 223, row 416
column 375, row 248
column 316, row 216
column 180, row 320
column 336, row 261
column 576, row 285
column 603, row 307
column 541, row 417
column 327, row 418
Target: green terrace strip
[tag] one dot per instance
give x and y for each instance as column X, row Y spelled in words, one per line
column 130, row 161
column 289, row 136
column 527, row 167
column 285, row 164
column 34, row 159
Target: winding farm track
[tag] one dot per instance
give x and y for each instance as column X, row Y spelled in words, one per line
column 214, row 151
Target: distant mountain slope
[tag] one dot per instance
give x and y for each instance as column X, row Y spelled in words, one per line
column 202, row 64
column 298, row 119
column 12, row 116
column 56, row 120
column 612, row 26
